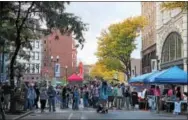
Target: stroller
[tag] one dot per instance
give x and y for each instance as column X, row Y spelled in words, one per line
column 101, row 108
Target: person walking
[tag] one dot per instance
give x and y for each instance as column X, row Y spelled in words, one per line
column 43, row 98
column 51, row 98
column 127, row 95
column 31, row 96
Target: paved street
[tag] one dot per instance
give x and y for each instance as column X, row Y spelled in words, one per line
column 90, row 113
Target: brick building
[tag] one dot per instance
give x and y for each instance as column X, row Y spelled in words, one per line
column 148, row 36
column 62, row 46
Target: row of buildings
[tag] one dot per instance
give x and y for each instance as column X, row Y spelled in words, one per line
column 40, row 64
column 164, row 39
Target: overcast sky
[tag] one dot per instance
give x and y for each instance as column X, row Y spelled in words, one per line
column 99, row 15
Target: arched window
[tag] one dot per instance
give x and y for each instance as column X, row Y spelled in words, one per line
column 172, row 48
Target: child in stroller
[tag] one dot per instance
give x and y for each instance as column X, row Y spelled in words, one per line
column 101, row 107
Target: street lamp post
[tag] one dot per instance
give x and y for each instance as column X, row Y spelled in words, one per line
column 54, row 61
column 2, row 41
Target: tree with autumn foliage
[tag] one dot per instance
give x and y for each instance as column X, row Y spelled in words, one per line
column 100, row 71
column 116, row 44
column 183, row 5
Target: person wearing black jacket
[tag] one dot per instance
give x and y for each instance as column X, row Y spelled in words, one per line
column 127, row 96
column 64, row 97
column 37, row 96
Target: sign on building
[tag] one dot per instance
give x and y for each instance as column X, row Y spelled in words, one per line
column 57, row 70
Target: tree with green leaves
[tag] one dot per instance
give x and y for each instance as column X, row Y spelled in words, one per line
column 116, row 44
column 21, row 22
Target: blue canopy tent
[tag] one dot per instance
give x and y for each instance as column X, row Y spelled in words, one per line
column 151, row 79
column 141, row 78
column 173, row 75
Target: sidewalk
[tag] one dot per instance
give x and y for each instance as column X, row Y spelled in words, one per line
column 17, row 117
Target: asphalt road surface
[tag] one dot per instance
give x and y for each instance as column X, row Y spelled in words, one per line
column 89, row 113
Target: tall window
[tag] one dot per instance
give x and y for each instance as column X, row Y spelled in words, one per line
column 37, row 68
column 37, row 55
column 33, row 68
column 33, row 55
column 37, row 44
column 172, row 48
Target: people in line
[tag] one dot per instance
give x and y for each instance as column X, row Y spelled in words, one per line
column 31, row 96
column 116, row 95
column 51, row 98
column 119, row 97
column 157, row 95
column 6, row 92
column 37, row 91
column 43, row 98
column 127, row 95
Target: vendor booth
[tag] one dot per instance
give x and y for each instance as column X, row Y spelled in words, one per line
column 172, row 76
column 75, row 80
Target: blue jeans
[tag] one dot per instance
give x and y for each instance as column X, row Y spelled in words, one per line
column 31, row 103
column 51, row 102
column 95, row 101
column 64, row 103
column 26, row 104
column 76, row 103
column 85, row 100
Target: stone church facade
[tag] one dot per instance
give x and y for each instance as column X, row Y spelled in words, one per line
column 171, row 37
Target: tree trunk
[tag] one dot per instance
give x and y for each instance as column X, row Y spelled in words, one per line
column 13, row 102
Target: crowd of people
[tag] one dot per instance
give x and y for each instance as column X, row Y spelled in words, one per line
column 110, row 95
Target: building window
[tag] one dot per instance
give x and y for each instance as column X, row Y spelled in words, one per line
column 28, row 68
column 37, row 44
column 37, row 68
column 172, row 48
column 32, row 44
column 33, row 68
column 44, row 64
column 37, row 55
column 32, row 55
column 44, row 41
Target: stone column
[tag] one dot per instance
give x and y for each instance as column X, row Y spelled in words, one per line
column 184, row 37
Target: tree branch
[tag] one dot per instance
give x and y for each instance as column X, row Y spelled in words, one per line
column 25, row 18
column 18, row 16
